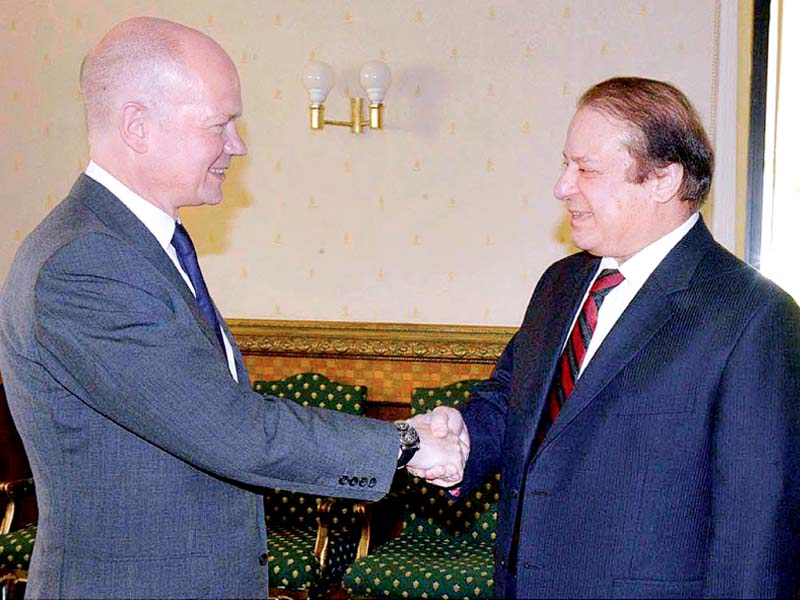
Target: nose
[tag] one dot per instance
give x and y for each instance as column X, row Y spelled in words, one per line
column 234, row 144
column 565, row 184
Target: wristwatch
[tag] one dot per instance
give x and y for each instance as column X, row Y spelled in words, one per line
column 409, row 443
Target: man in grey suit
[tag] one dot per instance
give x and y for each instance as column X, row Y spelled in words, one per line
column 146, row 442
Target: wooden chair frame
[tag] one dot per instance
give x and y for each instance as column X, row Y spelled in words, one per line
column 12, row 491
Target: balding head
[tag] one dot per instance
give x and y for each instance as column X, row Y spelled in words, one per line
column 145, row 60
column 161, row 103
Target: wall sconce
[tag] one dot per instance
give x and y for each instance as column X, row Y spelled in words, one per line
column 375, row 78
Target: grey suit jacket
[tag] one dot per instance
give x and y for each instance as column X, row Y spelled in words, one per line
column 147, row 455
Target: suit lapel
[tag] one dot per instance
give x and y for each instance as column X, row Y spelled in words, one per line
column 116, row 216
column 238, row 359
column 544, row 337
column 650, row 309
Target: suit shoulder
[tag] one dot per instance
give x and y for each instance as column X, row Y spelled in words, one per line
column 60, row 244
column 71, row 239
column 563, row 272
column 568, row 264
column 729, row 276
column 558, row 278
column 67, row 222
column 725, row 291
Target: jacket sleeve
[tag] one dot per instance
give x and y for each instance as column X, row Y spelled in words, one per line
column 127, row 346
column 755, row 533
column 485, row 416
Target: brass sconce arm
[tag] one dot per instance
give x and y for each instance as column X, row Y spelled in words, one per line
column 357, row 121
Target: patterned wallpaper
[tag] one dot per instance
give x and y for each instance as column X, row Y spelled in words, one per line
column 446, row 216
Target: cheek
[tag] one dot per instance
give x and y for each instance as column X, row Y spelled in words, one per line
column 197, row 152
column 212, row 150
column 625, row 218
column 601, row 200
column 611, row 218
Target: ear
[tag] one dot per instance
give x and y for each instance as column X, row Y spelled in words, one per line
column 666, row 181
column 133, row 127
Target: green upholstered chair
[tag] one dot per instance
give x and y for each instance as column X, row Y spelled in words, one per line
column 313, row 389
column 16, row 545
column 308, row 536
column 445, row 548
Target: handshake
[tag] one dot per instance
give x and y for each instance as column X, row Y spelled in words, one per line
column 443, row 449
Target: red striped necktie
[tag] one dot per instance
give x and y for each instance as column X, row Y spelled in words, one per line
column 569, row 364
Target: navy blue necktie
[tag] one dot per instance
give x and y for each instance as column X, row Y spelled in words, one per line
column 188, row 259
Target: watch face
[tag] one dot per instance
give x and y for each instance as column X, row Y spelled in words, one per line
column 408, row 435
column 409, row 443
column 411, row 436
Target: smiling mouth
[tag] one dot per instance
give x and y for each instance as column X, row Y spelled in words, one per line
column 218, row 172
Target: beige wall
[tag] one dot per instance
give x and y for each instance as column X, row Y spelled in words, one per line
column 447, row 216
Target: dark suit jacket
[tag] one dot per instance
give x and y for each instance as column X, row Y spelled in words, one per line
column 673, row 470
column 144, row 449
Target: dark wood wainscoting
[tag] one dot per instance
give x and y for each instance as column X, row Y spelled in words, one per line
column 389, row 358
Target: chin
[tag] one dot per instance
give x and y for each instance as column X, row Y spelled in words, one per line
column 592, row 249
column 581, row 244
column 210, row 199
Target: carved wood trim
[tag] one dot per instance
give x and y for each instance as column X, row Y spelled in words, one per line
column 388, row 341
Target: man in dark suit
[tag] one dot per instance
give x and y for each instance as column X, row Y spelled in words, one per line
column 147, row 445
column 646, row 415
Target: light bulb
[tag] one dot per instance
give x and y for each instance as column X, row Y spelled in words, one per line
column 318, row 78
column 375, row 79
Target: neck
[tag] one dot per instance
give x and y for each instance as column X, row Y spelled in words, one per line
column 128, row 176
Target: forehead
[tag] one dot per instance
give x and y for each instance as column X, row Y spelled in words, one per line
column 216, row 84
column 593, row 134
column 223, row 95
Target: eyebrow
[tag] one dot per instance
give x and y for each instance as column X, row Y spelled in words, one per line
column 223, row 117
column 582, row 158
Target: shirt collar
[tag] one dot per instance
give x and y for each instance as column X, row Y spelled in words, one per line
column 641, row 265
column 160, row 224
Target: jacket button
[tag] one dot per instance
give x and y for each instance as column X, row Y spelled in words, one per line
column 362, row 482
column 263, row 559
column 353, row 481
column 343, row 480
column 372, row 482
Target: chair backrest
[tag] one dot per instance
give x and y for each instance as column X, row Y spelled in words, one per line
column 314, row 389
column 429, row 511
column 424, row 399
column 293, row 509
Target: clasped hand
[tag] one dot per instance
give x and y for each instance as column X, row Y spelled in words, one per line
column 444, row 446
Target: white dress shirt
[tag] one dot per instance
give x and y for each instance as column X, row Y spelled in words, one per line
column 636, row 270
column 160, row 224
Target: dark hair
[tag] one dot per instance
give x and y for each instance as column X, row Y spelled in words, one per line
column 665, row 129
